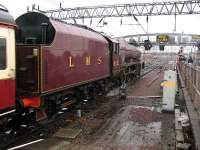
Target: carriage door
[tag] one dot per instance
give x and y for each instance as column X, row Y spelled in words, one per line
column 7, row 69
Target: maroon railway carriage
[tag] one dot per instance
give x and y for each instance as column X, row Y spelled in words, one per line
column 7, row 63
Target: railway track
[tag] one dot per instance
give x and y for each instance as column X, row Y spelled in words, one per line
column 31, row 134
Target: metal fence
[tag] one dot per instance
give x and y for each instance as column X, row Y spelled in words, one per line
column 191, row 78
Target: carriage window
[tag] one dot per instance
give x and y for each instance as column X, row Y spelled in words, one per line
column 2, row 53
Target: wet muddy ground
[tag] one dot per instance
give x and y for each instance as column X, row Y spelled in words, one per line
column 136, row 123
column 129, row 128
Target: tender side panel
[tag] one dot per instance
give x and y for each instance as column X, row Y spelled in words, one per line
column 28, row 66
column 64, row 68
column 77, row 56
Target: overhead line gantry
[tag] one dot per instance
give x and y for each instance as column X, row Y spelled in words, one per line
column 125, row 10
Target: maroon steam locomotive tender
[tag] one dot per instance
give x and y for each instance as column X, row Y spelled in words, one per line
column 50, row 65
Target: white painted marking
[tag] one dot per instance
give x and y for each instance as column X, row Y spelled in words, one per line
column 24, row 125
column 8, row 132
column 60, row 112
column 64, row 109
column 23, row 145
column 8, row 112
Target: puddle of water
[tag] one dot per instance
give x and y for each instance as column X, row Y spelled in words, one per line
column 142, row 132
column 138, row 134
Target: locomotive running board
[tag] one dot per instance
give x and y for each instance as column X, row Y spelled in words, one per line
column 8, row 112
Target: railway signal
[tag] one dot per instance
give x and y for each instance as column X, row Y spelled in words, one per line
column 162, row 40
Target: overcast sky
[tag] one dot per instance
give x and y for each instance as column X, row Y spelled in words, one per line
column 186, row 24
